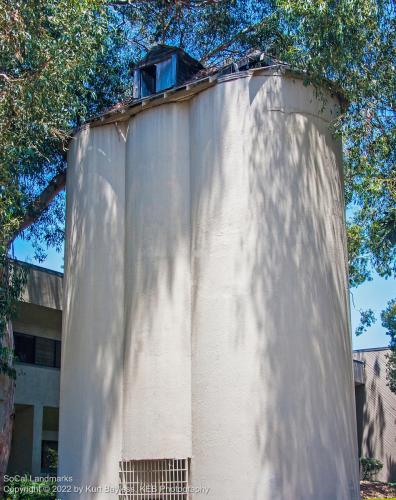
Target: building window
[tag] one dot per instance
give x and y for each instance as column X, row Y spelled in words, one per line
column 49, row 456
column 148, row 479
column 44, row 352
column 37, row 350
column 147, row 81
column 156, row 77
column 165, row 74
column 57, row 353
column 24, row 347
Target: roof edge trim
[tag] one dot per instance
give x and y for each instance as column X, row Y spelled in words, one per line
column 189, row 89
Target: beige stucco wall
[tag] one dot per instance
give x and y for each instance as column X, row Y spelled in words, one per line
column 270, row 297
column 93, row 327
column 226, row 214
column 157, row 368
column 376, row 413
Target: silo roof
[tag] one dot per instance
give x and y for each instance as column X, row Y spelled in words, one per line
column 255, row 62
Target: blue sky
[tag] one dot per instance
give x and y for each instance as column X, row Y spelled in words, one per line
column 373, row 294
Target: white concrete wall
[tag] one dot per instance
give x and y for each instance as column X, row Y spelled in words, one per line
column 37, row 385
column 272, row 390
column 157, row 370
column 40, row 321
column 92, row 340
column 234, row 241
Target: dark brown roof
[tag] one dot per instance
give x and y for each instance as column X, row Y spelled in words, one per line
column 159, row 52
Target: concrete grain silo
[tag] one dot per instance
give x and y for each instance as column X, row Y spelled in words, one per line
column 206, row 329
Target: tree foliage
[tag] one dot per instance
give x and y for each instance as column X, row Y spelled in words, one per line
column 56, row 68
column 353, row 45
column 208, row 30
column 49, row 57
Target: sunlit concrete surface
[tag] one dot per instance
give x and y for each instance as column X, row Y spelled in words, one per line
column 206, row 303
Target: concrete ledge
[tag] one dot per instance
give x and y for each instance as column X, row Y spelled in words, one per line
column 37, row 384
column 44, row 288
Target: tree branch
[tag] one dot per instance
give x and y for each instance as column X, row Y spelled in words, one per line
column 41, row 202
column 236, row 37
column 26, row 74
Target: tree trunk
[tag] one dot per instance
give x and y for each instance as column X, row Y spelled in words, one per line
column 7, row 395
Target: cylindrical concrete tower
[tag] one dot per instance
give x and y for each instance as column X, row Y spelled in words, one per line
column 206, row 323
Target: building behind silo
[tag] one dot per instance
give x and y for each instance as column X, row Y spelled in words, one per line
column 206, row 319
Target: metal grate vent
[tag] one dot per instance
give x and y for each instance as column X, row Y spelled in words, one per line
column 154, row 479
